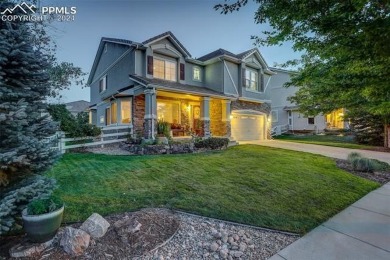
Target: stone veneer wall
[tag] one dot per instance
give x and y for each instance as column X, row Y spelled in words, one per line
column 138, row 113
column 217, row 126
column 261, row 107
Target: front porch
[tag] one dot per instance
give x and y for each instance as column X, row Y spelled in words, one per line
column 186, row 114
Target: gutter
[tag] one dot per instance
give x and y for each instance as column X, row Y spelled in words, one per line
column 191, row 92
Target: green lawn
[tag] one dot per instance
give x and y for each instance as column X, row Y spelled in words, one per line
column 256, row 185
column 328, row 140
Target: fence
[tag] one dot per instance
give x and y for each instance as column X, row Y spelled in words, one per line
column 108, row 135
column 279, row 130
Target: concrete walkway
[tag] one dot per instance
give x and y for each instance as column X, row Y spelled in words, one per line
column 329, row 151
column 361, row 231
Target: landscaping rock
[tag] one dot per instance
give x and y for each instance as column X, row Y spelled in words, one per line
column 214, row 247
column 242, row 246
column 74, row 241
column 132, row 225
column 28, row 249
column 236, row 237
column 224, row 253
column 96, row 226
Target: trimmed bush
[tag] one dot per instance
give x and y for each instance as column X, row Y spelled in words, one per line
column 212, row 143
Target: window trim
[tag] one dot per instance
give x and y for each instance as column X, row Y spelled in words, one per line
column 129, row 99
column 193, row 74
column 103, row 79
column 250, row 70
column 165, row 60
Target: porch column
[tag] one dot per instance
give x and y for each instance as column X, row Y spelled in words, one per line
column 226, row 116
column 205, row 115
column 150, row 118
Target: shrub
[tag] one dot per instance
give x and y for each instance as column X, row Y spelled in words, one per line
column 163, row 128
column 353, row 156
column 15, row 201
column 362, row 164
column 74, row 126
column 42, row 206
column 212, row 143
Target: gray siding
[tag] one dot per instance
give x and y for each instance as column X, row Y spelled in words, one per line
column 114, row 51
column 189, row 75
column 214, row 76
column 279, row 96
column 231, row 78
column 117, row 78
column 140, row 63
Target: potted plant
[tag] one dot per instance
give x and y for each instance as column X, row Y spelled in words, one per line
column 42, row 218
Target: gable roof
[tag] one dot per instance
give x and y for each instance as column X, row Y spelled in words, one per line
column 240, row 57
column 103, row 41
column 170, row 35
column 217, row 53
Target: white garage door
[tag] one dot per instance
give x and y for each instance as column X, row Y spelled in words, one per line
column 247, row 127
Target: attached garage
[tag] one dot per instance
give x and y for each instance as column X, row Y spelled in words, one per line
column 248, row 126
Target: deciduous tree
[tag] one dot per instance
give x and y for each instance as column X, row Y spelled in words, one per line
column 346, row 60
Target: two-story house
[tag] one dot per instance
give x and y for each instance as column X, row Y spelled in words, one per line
column 218, row 94
column 286, row 114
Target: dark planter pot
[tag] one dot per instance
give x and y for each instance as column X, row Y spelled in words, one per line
column 42, row 228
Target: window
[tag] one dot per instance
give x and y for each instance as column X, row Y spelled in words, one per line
column 196, row 74
column 168, row 111
column 251, row 80
column 103, row 84
column 114, row 113
column 310, row 120
column 125, row 111
column 274, row 115
column 164, row 69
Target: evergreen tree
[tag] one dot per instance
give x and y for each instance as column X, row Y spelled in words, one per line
column 24, row 86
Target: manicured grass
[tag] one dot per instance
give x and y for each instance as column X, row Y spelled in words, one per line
column 256, row 185
column 328, row 140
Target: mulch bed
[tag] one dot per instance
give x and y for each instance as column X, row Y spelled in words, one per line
column 157, row 226
column 382, row 177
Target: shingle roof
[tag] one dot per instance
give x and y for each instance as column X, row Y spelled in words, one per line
column 243, row 54
column 178, row 86
column 217, row 53
column 120, row 41
column 168, row 33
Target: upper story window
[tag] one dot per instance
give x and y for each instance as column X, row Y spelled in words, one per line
column 251, row 80
column 164, row 69
column 196, row 74
column 103, row 84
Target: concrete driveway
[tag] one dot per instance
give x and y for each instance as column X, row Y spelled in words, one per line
column 329, row 151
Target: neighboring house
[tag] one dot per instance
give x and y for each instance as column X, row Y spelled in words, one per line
column 285, row 114
column 218, row 94
column 79, row 106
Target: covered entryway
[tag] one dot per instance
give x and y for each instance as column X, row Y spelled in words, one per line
column 248, row 126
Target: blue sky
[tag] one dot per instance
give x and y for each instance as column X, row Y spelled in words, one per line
column 195, row 23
